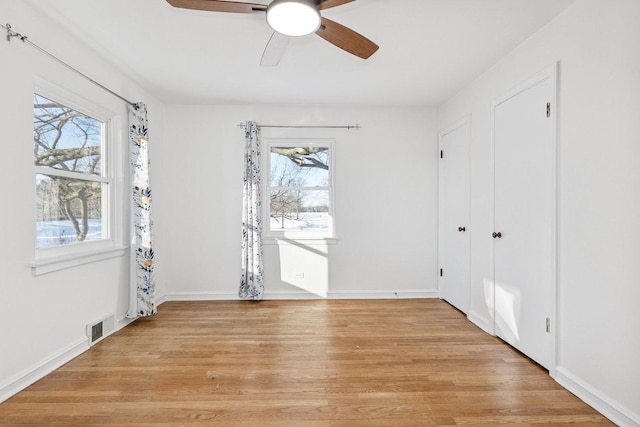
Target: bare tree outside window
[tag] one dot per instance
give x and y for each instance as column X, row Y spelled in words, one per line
column 69, row 182
column 299, row 188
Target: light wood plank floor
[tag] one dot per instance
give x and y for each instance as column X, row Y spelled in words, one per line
column 300, row 363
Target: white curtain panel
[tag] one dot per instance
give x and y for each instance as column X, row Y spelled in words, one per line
column 142, row 301
column 251, row 283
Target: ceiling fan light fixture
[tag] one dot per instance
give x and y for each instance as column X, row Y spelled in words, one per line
column 293, row 17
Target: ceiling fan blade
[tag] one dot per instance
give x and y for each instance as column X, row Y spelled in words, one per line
column 218, row 6
column 326, row 4
column 346, row 39
column 275, row 49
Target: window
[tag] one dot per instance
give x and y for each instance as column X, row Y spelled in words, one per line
column 70, row 183
column 300, row 189
column 74, row 179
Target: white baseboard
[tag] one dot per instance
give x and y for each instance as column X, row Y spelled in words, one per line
column 29, row 376
column 160, row 300
column 480, row 321
column 598, row 401
column 122, row 323
column 300, row 295
column 197, row 296
column 385, row 294
column 587, row 393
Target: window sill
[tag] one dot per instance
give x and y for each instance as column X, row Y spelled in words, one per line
column 49, row 265
column 300, row 241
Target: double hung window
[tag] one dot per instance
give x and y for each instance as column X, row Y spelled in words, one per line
column 300, row 189
column 74, row 178
column 71, row 186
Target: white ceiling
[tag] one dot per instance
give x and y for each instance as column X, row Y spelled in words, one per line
column 429, row 49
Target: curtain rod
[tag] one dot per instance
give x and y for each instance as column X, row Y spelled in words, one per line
column 348, row 127
column 11, row 34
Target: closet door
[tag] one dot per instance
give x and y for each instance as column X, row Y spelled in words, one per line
column 524, row 218
column 453, row 228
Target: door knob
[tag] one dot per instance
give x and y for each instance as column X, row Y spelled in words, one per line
column 462, row 229
column 496, row 235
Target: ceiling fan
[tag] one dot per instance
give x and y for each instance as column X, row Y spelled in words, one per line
column 291, row 18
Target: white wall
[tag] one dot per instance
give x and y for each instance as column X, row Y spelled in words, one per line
column 43, row 318
column 386, row 189
column 598, row 322
column 385, row 200
column 386, row 215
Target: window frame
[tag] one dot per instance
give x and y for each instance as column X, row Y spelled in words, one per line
column 310, row 237
column 54, row 258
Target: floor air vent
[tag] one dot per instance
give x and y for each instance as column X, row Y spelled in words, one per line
column 96, row 332
column 100, row 329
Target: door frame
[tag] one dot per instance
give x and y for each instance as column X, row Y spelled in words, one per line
column 549, row 72
column 465, row 120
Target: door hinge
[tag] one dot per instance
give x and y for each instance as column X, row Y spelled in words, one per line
column 440, row 272
column 548, row 109
column 441, row 154
column 548, row 324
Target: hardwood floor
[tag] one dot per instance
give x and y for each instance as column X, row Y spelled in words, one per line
column 300, row 363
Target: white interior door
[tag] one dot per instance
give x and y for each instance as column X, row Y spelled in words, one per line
column 524, row 218
column 453, row 233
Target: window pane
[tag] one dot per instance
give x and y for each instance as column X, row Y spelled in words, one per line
column 66, row 139
column 299, row 210
column 299, row 167
column 68, row 211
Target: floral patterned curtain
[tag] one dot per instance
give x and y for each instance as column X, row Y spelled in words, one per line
column 251, row 283
column 142, row 301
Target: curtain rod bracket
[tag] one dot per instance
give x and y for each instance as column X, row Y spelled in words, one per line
column 11, row 34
